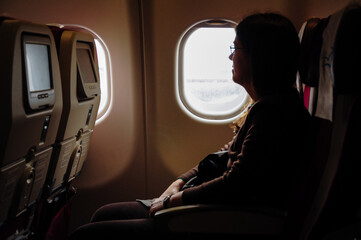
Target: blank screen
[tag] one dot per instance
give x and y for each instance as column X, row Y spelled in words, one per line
column 37, row 67
column 85, row 65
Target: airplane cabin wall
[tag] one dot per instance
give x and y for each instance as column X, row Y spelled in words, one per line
column 147, row 140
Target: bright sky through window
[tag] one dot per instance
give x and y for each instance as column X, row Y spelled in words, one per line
column 207, row 73
column 102, row 74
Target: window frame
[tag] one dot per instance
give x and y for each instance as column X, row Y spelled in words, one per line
column 182, row 100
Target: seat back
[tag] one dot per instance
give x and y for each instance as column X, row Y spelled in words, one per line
column 315, row 149
column 31, row 105
column 311, row 35
column 342, row 203
column 81, row 98
column 332, row 110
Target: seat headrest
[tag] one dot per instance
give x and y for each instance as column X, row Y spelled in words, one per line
column 59, row 29
column 311, row 41
column 327, row 83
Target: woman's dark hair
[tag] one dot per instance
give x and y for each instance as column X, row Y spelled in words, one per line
column 271, row 42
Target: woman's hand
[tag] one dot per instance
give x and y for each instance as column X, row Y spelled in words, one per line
column 174, row 201
column 172, row 190
column 156, row 206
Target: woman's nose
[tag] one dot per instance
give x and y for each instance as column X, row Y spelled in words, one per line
column 231, row 56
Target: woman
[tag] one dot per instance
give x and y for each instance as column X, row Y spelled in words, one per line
column 263, row 156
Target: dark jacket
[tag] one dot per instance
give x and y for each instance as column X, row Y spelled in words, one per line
column 264, row 157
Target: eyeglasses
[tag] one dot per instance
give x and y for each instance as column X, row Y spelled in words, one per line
column 234, row 48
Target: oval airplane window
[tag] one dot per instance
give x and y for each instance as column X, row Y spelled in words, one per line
column 105, row 78
column 105, row 73
column 205, row 86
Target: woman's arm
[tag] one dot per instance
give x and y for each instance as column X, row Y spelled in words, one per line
column 261, row 138
column 174, row 189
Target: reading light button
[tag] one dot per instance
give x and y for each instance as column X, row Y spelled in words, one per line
column 45, row 129
column 89, row 114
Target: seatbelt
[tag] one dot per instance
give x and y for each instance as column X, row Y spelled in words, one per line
column 342, row 110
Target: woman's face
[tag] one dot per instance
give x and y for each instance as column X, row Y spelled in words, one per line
column 242, row 73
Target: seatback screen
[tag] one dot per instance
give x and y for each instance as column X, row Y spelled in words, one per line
column 37, row 67
column 85, row 65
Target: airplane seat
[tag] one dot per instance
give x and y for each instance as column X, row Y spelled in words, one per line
column 317, row 145
column 311, row 41
column 31, row 105
column 81, row 98
column 341, row 213
column 334, row 107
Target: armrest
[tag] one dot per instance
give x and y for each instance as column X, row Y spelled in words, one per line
column 222, row 219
